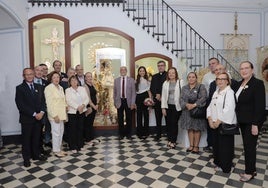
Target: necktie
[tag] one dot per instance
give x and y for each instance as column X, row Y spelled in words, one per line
column 32, row 88
column 39, row 81
column 123, row 88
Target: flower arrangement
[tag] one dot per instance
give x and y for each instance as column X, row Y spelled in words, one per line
column 148, row 102
column 245, row 87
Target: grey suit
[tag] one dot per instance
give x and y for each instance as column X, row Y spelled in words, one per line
column 124, row 104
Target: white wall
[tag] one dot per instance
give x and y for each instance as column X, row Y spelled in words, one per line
column 14, row 56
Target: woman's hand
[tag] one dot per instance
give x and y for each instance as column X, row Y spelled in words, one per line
column 56, row 119
column 190, row 106
column 164, row 112
column 254, row 130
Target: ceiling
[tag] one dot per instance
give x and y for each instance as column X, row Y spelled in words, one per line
column 8, row 22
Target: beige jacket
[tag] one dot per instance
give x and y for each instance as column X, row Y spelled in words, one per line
column 56, row 104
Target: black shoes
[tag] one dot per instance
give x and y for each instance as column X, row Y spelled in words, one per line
column 49, row 144
column 40, row 158
column 207, row 149
column 27, row 164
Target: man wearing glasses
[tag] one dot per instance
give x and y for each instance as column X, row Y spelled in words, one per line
column 156, row 89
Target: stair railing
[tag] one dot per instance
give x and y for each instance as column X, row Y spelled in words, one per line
column 174, row 33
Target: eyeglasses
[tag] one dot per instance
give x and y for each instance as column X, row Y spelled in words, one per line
column 221, row 79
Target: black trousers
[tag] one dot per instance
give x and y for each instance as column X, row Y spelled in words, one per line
column 210, row 136
column 124, row 130
column 75, row 131
column 88, row 126
column 223, row 150
column 172, row 123
column 249, row 143
column 30, row 133
column 158, row 118
column 142, row 115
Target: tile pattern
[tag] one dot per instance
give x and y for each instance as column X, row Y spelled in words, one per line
column 128, row 163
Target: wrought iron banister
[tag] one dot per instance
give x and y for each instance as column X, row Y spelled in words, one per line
column 173, row 32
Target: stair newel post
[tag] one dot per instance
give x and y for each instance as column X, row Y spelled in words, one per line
column 191, row 45
column 153, row 16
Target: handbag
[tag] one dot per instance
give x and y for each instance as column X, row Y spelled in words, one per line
column 228, row 129
column 198, row 112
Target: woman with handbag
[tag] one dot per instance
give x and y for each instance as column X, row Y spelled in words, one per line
column 170, row 104
column 143, row 92
column 193, row 96
column 250, row 111
column 222, row 110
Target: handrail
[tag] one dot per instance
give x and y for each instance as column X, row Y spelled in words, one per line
column 173, row 32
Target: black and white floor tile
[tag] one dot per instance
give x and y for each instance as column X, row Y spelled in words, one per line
column 128, row 163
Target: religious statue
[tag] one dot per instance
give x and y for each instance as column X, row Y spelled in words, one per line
column 104, row 82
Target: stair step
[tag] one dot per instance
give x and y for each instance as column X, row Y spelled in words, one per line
column 149, row 25
column 168, row 42
column 177, row 50
column 139, row 18
column 160, row 34
column 130, row 9
column 191, row 66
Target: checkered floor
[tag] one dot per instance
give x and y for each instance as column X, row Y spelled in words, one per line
column 125, row 163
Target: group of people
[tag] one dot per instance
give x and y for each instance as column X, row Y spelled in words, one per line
column 72, row 98
column 64, row 105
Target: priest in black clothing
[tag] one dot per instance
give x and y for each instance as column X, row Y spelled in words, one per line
column 156, row 89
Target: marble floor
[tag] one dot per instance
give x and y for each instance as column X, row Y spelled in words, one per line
column 129, row 163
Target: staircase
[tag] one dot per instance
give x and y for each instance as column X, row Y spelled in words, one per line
column 158, row 19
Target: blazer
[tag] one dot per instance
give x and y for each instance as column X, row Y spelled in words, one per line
column 250, row 108
column 73, row 101
column 130, row 91
column 222, row 106
column 213, row 87
column 29, row 103
column 157, row 82
column 177, row 93
column 56, row 104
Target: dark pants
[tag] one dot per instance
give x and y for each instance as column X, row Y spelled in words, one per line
column 210, row 136
column 172, row 123
column 75, row 130
column 142, row 115
column 249, row 143
column 124, row 130
column 88, row 126
column 223, row 150
column 47, row 133
column 30, row 133
column 158, row 118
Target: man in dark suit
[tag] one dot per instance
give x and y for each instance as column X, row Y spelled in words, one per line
column 156, row 89
column 38, row 79
column 30, row 102
column 124, row 101
column 57, row 67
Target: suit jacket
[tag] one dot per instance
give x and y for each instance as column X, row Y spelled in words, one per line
column 130, row 91
column 250, row 106
column 213, row 87
column 29, row 103
column 56, row 104
column 177, row 93
column 44, row 82
column 157, row 82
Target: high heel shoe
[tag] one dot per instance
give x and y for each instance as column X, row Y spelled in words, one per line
column 190, row 149
column 243, row 174
column 195, row 151
column 246, row 177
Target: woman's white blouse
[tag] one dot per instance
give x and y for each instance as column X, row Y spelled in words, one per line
column 75, row 98
column 215, row 109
